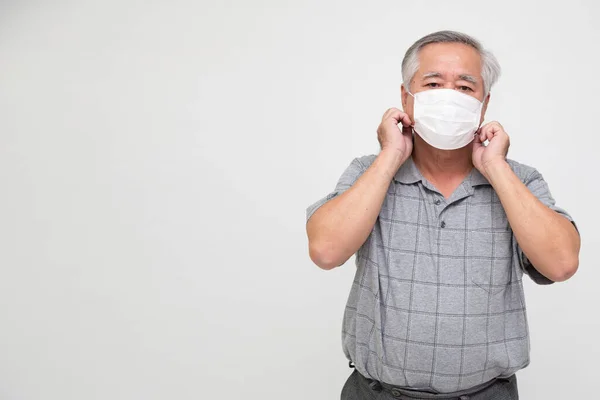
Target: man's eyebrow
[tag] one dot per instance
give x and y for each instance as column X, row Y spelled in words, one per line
column 462, row 77
column 468, row 78
column 432, row 75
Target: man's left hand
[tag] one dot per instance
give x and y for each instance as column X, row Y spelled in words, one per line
column 495, row 151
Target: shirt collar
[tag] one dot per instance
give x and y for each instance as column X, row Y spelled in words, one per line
column 477, row 178
column 408, row 173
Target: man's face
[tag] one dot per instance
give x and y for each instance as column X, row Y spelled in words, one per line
column 447, row 66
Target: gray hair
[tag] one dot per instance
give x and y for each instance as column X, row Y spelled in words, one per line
column 490, row 68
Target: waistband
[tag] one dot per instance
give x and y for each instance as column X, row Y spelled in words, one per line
column 404, row 393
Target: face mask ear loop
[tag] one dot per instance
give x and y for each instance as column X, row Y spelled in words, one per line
column 479, row 127
column 413, row 122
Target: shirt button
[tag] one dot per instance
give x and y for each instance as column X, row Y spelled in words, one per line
column 437, row 202
column 443, row 224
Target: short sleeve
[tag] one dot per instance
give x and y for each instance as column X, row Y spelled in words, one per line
column 539, row 188
column 350, row 175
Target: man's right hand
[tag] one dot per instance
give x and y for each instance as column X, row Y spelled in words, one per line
column 389, row 135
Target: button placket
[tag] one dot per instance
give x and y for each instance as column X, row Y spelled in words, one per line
column 441, row 212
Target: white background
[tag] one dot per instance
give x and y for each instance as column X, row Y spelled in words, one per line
column 157, row 158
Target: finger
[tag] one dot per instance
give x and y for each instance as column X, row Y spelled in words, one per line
column 481, row 133
column 479, row 138
column 488, row 131
column 396, row 115
column 494, row 127
column 486, row 134
column 406, row 122
column 400, row 117
column 389, row 112
column 498, row 125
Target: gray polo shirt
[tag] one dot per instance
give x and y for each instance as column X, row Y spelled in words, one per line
column 437, row 301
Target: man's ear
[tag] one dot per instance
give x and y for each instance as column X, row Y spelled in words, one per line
column 403, row 96
column 484, row 108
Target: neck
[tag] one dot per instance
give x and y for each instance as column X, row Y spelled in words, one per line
column 442, row 165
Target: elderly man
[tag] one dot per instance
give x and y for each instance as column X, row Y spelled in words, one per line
column 443, row 227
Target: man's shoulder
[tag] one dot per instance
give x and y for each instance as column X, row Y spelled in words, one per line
column 523, row 171
column 366, row 160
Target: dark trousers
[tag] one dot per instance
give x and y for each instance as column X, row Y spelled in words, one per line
column 358, row 387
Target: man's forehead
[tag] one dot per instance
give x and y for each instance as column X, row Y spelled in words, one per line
column 451, row 49
column 441, row 57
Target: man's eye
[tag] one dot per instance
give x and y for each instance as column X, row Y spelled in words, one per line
column 433, row 84
column 465, row 88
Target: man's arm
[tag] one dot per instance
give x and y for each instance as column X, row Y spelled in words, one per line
column 549, row 240
column 339, row 227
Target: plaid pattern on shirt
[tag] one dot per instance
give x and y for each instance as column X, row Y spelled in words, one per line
column 437, row 302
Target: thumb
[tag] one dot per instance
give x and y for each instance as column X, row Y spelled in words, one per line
column 477, row 144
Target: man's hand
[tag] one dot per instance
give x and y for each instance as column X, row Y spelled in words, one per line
column 389, row 135
column 484, row 156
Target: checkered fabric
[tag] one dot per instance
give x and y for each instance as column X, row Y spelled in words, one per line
column 437, row 302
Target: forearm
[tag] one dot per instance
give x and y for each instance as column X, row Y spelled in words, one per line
column 342, row 225
column 548, row 239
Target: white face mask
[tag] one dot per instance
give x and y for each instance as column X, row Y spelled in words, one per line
column 446, row 118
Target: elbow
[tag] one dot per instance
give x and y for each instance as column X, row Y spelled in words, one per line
column 566, row 269
column 324, row 256
column 569, row 260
